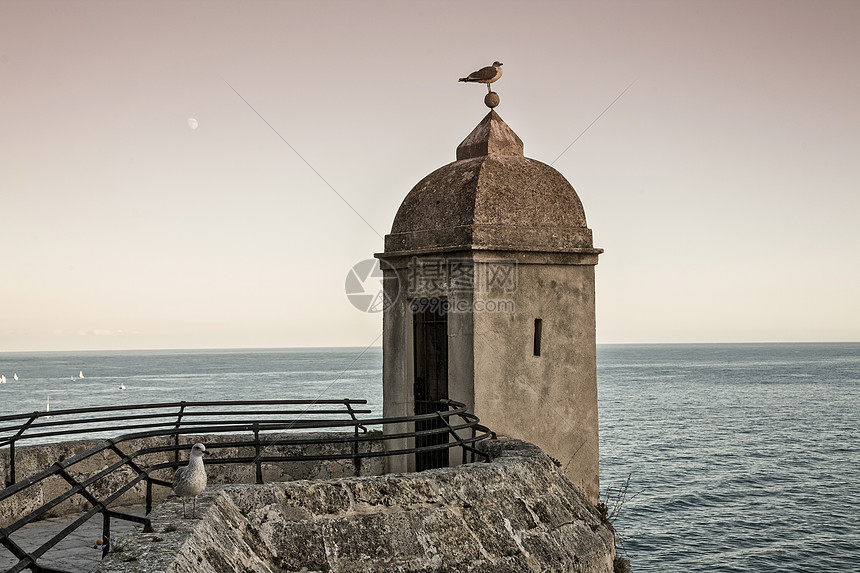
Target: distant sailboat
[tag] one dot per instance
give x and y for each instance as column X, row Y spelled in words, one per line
column 15, row 376
column 2, row 379
column 81, row 375
column 47, row 407
column 72, row 378
column 122, row 385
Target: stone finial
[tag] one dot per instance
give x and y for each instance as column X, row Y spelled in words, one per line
column 491, row 137
column 491, row 100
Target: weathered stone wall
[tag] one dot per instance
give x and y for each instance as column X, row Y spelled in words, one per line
column 518, row 513
column 31, row 460
column 551, row 399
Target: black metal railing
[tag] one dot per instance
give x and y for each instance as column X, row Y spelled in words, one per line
column 41, row 427
column 170, row 421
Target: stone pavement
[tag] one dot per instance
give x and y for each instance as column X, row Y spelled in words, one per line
column 77, row 552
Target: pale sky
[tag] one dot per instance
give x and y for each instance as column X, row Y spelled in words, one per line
column 723, row 185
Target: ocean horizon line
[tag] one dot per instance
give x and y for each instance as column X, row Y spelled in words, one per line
column 265, row 349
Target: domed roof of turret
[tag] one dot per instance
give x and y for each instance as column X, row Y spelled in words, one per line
column 492, row 197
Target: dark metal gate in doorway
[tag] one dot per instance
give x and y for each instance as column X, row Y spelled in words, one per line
column 430, row 341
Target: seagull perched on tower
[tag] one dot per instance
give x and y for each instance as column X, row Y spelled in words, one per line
column 190, row 481
column 485, row 75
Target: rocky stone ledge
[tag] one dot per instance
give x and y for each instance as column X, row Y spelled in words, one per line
column 517, row 513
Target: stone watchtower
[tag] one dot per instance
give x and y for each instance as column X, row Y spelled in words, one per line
column 489, row 272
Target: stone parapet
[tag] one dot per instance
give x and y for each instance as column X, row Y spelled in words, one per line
column 31, row 460
column 517, row 513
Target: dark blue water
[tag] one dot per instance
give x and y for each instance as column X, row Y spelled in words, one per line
column 744, row 457
column 172, row 376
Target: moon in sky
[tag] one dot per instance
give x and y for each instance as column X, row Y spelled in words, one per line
column 192, row 123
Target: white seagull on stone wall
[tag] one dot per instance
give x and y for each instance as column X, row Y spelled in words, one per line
column 190, row 481
column 486, row 75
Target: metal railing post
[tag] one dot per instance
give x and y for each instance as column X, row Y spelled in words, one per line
column 148, row 495
column 463, row 455
column 471, row 455
column 176, row 427
column 11, row 480
column 356, row 459
column 106, row 534
column 257, row 452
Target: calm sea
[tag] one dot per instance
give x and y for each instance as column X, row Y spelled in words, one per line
column 744, row 457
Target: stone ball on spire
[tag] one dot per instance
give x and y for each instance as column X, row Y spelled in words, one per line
column 491, row 100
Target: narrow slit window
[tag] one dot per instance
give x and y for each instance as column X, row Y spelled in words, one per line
column 538, row 330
